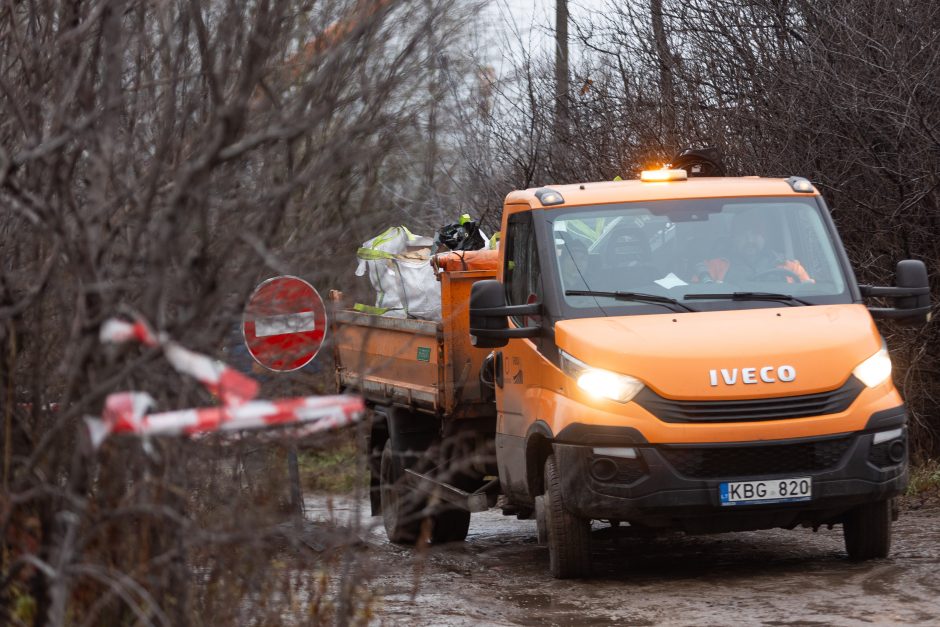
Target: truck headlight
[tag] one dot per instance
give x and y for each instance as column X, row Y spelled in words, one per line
column 876, row 369
column 600, row 383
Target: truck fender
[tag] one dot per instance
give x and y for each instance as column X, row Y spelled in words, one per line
column 411, row 430
column 538, row 446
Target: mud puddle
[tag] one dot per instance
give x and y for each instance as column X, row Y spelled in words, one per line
column 499, row 576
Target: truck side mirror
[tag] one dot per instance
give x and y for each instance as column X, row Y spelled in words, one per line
column 489, row 316
column 911, row 296
column 912, row 273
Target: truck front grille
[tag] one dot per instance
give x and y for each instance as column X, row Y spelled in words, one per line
column 714, row 462
column 778, row 408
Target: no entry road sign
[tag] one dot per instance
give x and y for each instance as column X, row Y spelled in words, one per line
column 284, row 323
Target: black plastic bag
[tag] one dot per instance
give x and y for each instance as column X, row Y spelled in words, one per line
column 464, row 236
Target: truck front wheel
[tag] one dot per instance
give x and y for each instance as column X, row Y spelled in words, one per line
column 400, row 509
column 867, row 531
column 569, row 537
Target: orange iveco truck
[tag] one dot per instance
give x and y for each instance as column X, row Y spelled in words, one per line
column 669, row 353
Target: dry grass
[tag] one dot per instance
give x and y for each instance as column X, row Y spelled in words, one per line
column 334, row 468
column 925, row 479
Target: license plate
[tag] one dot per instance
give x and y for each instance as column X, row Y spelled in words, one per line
column 789, row 490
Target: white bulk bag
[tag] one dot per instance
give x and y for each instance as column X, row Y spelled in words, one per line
column 399, row 267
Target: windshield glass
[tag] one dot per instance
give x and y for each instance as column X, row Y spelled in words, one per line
column 705, row 246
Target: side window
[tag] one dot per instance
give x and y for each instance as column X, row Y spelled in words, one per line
column 523, row 271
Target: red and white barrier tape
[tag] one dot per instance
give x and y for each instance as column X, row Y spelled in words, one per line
column 227, row 384
column 115, row 331
column 126, row 412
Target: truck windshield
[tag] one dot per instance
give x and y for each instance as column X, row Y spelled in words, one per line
column 703, row 249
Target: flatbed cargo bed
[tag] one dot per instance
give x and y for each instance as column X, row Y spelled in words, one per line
column 419, row 364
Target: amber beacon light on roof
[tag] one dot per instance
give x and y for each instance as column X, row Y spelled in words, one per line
column 663, row 175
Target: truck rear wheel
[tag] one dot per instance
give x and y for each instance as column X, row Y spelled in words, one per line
column 403, row 508
column 400, row 509
column 450, row 526
column 569, row 537
column 867, row 531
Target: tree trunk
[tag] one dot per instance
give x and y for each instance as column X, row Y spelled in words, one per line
column 666, row 90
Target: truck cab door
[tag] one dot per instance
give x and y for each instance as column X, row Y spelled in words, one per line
column 516, row 398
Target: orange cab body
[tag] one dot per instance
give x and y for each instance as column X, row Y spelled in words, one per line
column 679, row 357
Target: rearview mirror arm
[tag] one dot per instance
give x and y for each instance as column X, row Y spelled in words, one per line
column 507, row 333
column 893, row 292
column 882, row 313
column 533, row 309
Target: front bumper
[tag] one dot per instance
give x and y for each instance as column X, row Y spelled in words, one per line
column 677, row 486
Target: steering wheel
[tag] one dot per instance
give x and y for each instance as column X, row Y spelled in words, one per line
column 782, row 273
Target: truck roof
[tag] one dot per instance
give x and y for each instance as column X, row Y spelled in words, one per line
column 604, row 192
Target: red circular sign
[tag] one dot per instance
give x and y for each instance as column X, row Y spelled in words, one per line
column 284, row 323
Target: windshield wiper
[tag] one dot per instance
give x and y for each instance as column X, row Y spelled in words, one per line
column 789, row 299
column 665, row 301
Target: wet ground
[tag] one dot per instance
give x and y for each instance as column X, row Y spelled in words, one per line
column 499, row 576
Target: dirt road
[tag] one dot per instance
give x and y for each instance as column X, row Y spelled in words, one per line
column 500, row 577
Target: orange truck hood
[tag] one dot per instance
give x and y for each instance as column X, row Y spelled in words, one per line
column 674, row 353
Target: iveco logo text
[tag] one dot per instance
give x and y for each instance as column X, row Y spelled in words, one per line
column 767, row 374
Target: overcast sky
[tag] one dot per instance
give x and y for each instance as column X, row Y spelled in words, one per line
column 529, row 24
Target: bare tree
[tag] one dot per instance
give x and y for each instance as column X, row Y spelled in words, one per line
column 158, row 160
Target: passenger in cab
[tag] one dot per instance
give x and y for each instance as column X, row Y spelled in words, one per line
column 749, row 258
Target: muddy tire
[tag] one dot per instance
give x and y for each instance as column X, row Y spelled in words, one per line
column 867, row 531
column 450, row 526
column 400, row 509
column 569, row 537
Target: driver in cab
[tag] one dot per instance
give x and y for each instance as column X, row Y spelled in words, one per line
column 749, row 257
